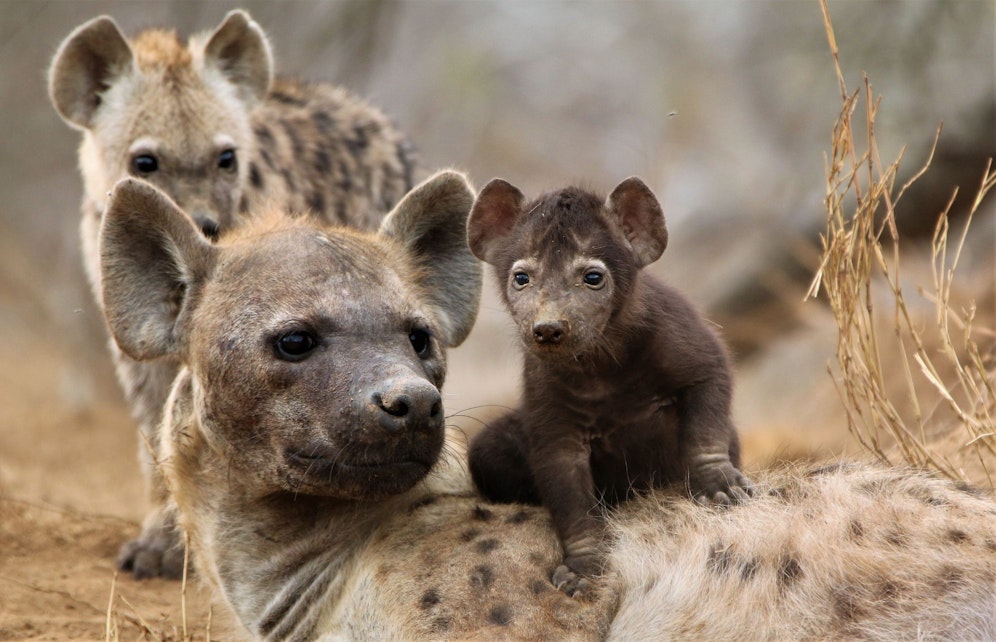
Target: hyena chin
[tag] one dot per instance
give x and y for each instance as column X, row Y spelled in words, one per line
column 625, row 385
column 207, row 123
column 302, row 444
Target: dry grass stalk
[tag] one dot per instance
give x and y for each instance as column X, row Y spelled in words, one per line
column 861, row 250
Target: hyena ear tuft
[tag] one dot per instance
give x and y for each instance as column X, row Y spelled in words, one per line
column 238, row 48
column 635, row 209
column 430, row 223
column 153, row 260
column 85, row 65
column 492, row 218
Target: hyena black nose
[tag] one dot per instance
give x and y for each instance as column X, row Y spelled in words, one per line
column 209, row 226
column 550, row 332
column 408, row 405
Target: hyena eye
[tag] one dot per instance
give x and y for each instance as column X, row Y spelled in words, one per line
column 420, row 341
column 228, row 160
column 520, row 280
column 144, row 164
column 594, row 280
column 295, row 346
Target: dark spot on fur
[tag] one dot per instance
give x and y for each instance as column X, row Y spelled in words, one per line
column 324, row 122
column 500, row 615
column 828, row 469
column 483, row 514
column 287, row 99
column 874, row 487
column 289, row 179
column 323, row 164
column 422, row 503
column 539, row 585
column 789, row 572
column 486, row 545
column 777, row 492
column 441, row 625
column 265, row 155
column 720, row 559
column 429, row 599
column 255, row 178
column 748, row 568
column 990, row 544
column 949, row 578
column 536, row 558
column 340, row 211
column 482, row 577
column 469, row 534
column 264, row 135
column 889, row 590
column 967, row 488
column 316, row 202
column 846, row 605
column 243, row 204
column 296, row 147
column 518, row 517
column 857, row 530
column 957, row 536
column 897, row 537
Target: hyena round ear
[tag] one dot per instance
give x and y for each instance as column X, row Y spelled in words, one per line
column 86, row 64
column 240, row 51
column 492, row 217
column 153, row 260
column 633, row 206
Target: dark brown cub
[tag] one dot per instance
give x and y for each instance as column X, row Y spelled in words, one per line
column 625, row 385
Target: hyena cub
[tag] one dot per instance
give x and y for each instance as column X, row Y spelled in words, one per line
column 206, row 122
column 625, row 386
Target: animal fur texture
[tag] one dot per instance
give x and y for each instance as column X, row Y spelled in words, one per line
column 207, row 123
column 625, row 385
column 318, row 510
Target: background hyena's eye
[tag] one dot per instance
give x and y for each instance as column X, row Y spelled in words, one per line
column 296, row 345
column 228, row 160
column 520, row 279
column 144, row 164
column 594, row 280
column 420, row 341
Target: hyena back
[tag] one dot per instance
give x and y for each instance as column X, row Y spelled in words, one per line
column 317, row 509
column 206, row 122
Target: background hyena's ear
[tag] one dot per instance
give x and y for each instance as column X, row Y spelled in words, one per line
column 635, row 208
column 153, row 260
column 430, row 222
column 87, row 64
column 238, row 48
column 492, row 218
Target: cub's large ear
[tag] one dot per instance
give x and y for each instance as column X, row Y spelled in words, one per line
column 153, row 260
column 492, row 218
column 635, row 209
column 431, row 222
column 238, row 49
column 87, row 63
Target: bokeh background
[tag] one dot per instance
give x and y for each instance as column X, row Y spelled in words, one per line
column 723, row 107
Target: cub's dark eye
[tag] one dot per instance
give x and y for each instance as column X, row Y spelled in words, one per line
column 144, row 164
column 295, row 346
column 420, row 342
column 594, row 280
column 520, row 279
column 228, row 160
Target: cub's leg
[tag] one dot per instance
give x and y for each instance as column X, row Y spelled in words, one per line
column 498, row 462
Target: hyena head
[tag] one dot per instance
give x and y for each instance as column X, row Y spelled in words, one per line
column 176, row 115
column 313, row 356
column 567, row 261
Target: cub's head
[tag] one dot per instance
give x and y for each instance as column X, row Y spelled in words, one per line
column 566, row 261
column 174, row 114
column 314, row 357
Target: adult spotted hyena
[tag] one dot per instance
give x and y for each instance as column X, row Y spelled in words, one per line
column 206, row 122
column 303, row 440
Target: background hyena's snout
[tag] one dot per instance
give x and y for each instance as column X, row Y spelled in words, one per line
column 403, row 404
column 551, row 333
column 207, row 223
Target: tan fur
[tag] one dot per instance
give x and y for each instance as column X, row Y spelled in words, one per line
column 300, row 147
column 849, row 552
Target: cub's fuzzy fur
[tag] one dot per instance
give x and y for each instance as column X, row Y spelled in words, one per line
column 206, row 122
column 625, row 386
column 317, row 508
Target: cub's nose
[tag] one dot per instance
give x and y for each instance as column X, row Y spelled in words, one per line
column 550, row 332
column 408, row 405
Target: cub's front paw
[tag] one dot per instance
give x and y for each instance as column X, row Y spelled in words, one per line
column 570, row 582
column 576, row 576
column 714, row 480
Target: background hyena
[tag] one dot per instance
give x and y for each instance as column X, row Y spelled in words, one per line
column 301, row 442
column 206, row 123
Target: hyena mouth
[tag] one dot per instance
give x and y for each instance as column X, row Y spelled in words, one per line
column 328, row 466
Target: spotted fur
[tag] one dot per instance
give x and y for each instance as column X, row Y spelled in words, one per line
column 206, row 122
